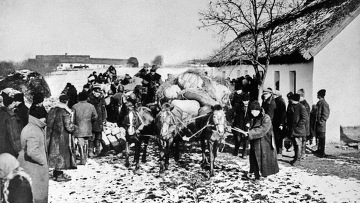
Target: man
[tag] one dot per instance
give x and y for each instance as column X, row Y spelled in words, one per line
column 84, row 115
column 241, row 121
column 22, row 111
column 155, row 78
column 268, row 103
column 322, row 114
column 297, row 127
column 58, row 138
column 10, row 126
column 306, row 105
column 279, row 121
column 143, row 72
column 97, row 99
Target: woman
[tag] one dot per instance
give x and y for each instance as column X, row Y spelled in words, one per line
column 59, row 126
column 263, row 158
column 33, row 158
column 15, row 184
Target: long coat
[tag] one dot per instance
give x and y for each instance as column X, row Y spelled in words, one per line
column 33, row 160
column 299, row 119
column 99, row 104
column 322, row 114
column 307, row 107
column 262, row 146
column 59, row 126
column 84, row 115
column 269, row 106
column 279, row 113
column 10, row 130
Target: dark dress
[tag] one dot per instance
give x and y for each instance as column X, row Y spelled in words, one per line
column 19, row 190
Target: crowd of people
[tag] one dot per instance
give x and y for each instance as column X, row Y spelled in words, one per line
column 32, row 140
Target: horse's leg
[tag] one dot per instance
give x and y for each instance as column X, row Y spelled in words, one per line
column 162, row 155
column 146, row 142
column 204, row 160
column 211, row 153
column 176, row 150
column 168, row 148
column 137, row 153
column 215, row 151
column 127, row 163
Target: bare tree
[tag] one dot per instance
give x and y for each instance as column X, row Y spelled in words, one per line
column 251, row 21
column 158, row 60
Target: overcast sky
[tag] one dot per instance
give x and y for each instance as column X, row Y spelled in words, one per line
column 106, row 28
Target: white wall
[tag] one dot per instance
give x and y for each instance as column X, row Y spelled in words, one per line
column 303, row 76
column 337, row 69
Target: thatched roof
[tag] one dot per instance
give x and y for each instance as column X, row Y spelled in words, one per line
column 300, row 35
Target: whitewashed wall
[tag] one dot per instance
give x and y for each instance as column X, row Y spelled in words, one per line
column 337, row 69
column 303, row 76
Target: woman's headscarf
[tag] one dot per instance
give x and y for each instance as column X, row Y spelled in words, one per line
column 8, row 163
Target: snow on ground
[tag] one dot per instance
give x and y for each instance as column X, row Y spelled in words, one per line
column 106, row 179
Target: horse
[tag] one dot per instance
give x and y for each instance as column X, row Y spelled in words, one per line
column 212, row 130
column 136, row 121
column 167, row 131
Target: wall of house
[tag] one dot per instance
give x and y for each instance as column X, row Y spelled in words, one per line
column 337, row 69
column 303, row 77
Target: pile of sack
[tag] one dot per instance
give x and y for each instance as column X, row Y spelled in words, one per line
column 194, row 92
column 114, row 137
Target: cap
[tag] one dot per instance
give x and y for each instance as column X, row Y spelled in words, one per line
column 255, row 106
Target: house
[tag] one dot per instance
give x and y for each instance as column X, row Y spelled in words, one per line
column 322, row 52
column 66, row 62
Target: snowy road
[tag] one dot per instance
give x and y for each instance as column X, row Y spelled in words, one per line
column 106, row 179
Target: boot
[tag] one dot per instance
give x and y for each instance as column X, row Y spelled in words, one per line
column 97, row 147
column 82, row 155
column 91, row 149
column 59, row 176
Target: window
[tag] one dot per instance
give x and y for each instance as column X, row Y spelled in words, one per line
column 292, row 81
column 277, row 80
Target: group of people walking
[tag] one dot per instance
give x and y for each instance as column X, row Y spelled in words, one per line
column 32, row 140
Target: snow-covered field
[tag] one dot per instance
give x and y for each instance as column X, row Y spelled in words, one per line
column 106, row 179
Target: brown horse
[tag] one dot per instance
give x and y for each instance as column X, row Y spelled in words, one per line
column 167, row 131
column 136, row 122
column 212, row 128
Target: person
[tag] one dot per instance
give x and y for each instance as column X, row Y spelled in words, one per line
column 126, row 80
column 71, row 92
column 241, row 120
column 143, row 72
column 16, row 183
column 32, row 157
column 297, row 127
column 279, row 121
column 84, row 115
column 155, row 78
column 59, row 126
column 97, row 99
column 268, row 103
column 303, row 101
column 10, row 126
column 38, row 104
column 21, row 110
column 312, row 126
column 322, row 114
column 263, row 159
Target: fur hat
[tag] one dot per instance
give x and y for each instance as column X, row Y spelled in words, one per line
column 83, row 96
column 19, row 97
column 295, row 97
column 321, row 92
column 255, row 106
column 289, row 95
column 38, row 98
column 37, row 112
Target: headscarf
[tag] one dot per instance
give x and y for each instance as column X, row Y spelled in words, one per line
column 8, row 163
column 9, row 167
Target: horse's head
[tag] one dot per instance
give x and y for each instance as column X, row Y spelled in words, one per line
column 167, row 123
column 218, row 119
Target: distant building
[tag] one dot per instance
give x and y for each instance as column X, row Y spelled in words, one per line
column 66, row 62
column 322, row 52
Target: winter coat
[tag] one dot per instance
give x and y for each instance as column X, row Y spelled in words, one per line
column 59, row 126
column 84, row 115
column 307, row 107
column 10, row 131
column 33, row 160
column 99, row 104
column 299, row 119
column 269, row 106
column 322, row 114
column 279, row 113
column 22, row 111
column 262, row 145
